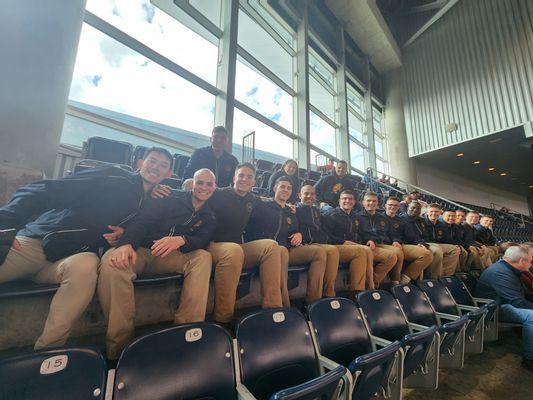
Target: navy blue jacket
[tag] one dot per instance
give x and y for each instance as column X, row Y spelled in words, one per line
column 484, row 235
column 223, row 167
column 294, row 181
column 414, row 230
column 342, row 226
column 329, row 188
column 450, row 233
column 438, row 232
column 459, row 235
column 375, row 227
column 501, row 282
column 271, row 221
column 311, row 226
column 171, row 216
column 395, row 228
column 469, row 237
column 71, row 214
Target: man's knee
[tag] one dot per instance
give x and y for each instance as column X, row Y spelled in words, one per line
column 319, row 254
column 201, row 260
column 228, row 253
column 82, row 267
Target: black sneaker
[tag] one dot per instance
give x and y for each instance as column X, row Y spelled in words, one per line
column 527, row 364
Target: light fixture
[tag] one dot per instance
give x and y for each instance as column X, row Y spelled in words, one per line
column 503, row 174
column 476, row 162
column 492, row 169
column 531, row 186
column 460, row 154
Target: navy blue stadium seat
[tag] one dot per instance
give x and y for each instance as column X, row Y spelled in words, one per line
column 69, row 373
column 386, row 320
column 25, row 288
column 174, row 183
column 343, row 338
column 443, row 302
column 180, row 162
column 191, row 361
column 276, row 353
column 155, row 280
column 462, row 296
column 469, row 280
column 88, row 164
column 107, row 150
column 418, row 310
column 138, row 154
column 264, row 165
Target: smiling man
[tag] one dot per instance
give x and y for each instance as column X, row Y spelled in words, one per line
column 167, row 236
column 232, row 207
column 329, row 187
column 62, row 226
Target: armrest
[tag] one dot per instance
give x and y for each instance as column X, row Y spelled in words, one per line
column 327, row 363
column 484, row 301
column 243, row 393
column 448, row 316
column 418, row 327
column 467, row 308
column 380, row 341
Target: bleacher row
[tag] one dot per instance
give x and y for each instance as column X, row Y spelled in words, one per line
column 335, row 349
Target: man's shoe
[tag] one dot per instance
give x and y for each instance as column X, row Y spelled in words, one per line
column 527, row 364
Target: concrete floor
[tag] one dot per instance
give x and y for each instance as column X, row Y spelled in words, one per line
column 495, row 374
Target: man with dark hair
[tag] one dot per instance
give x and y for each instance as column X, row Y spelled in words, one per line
column 214, row 157
column 418, row 256
column 485, row 236
column 167, row 236
column 501, row 282
column 342, row 223
column 437, row 234
column 232, row 207
column 312, row 226
column 64, row 223
column 329, row 187
column 273, row 219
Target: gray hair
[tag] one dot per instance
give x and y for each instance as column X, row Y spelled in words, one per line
column 201, row 171
column 515, row 253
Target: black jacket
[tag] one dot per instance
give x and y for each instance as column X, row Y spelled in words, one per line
column 438, row 232
column 271, row 221
column 458, row 233
column 484, row 236
column 312, row 226
column 232, row 213
column 469, row 237
column 71, row 214
column 329, row 188
column 294, row 180
column 396, row 228
column 414, row 230
column 342, row 226
column 171, row 216
column 223, row 167
column 376, row 228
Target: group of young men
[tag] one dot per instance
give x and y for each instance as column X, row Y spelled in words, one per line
column 98, row 230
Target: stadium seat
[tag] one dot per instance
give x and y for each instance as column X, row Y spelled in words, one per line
column 107, row 150
column 191, row 361
column 180, row 162
column 462, row 295
column 342, row 337
column 418, row 310
column 25, row 288
column 469, row 280
column 264, row 165
column 443, row 302
column 138, row 154
column 69, row 373
column 172, row 182
column 276, row 353
column 386, row 320
column 88, row 164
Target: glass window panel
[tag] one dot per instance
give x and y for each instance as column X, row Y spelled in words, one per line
column 355, row 100
column 211, row 9
column 321, row 98
column 356, row 127
column 159, row 31
column 112, row 76
column 322, row 70
column 382, row 167
column 285, row 34
column 264, row 48
column 379, row 146
column 261, row 94
column 357, row 156
column 269, row 144
column 376, row 119
column 322, row 134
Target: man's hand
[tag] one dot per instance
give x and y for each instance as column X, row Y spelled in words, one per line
column 292, row 207
column 323, row 204
column 112, row 238
column 473, row 249
column 424, row 245
column 123, row 257
column 163, row 247
column 161, row 191
column 16, row 245
column 371, row 244
column 397, row 244
column 296, row 239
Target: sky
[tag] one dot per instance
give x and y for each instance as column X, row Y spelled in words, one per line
column 110, row 75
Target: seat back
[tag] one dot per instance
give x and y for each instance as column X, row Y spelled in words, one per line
column 191, row 361
column 459, row 291
column 383, row 314
column 70, row 373
column 340, row 331
column 440, row 298
column 275, row 351
column 469, row 280
column 415, row 305
column 108, row 150
column 180, row 162
column 138, row 154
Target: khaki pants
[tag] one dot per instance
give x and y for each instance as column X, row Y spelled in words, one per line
column 361, row 262
column 313, row 254
column 463, row 259
column 494, row 253
column 76, row 275
column 229, row 260
column 476, row 259
column 332, row 267
column 396, row 270
column 420, row 258
column 445, row 259
column 386, row 257
column 116, row 292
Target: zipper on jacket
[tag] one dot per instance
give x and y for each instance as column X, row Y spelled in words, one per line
column 65, row 231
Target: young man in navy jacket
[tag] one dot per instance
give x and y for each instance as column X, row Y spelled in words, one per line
column 62, row 224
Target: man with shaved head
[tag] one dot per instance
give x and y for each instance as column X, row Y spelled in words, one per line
column 169, row 235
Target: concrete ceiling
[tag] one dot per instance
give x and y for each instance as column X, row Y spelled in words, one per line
column 366, row 26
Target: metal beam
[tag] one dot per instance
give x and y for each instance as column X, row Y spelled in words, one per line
column 341, row 137
column 437, row 4
column 369, row 125
column 199, row 17
column 302, row 153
